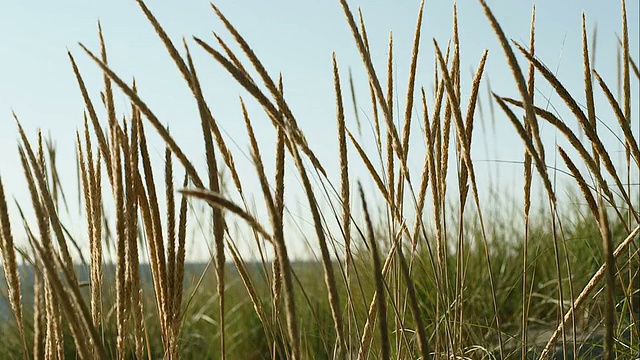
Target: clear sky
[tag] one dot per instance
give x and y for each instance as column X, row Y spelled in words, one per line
column 292, row 37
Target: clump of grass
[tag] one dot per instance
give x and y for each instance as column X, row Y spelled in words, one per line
column 422, row 287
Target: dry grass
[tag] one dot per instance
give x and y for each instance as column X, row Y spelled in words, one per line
column 451, row 284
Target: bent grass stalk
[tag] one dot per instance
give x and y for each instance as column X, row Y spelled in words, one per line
column 11, row 268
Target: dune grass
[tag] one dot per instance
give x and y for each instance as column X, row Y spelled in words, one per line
column 434, row 270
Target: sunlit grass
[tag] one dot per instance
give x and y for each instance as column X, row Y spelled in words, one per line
column 434, row 270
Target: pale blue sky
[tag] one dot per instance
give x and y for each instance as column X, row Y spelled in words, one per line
column 293, row 37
